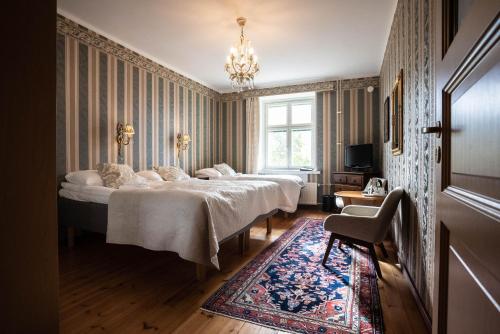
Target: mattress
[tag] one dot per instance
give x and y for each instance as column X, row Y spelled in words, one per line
column 97, row 194
column 85, row 193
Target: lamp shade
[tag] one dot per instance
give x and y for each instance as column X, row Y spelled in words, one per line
column 129, row 130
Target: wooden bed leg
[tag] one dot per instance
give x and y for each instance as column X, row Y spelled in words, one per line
column 241, row 243
column 70, row 235
column 201, row 272
column 247, row 240
column 269, row 226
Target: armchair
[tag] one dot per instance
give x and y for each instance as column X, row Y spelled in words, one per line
column 363, row 225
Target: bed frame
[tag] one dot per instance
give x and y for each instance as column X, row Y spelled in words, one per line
column 93, row 217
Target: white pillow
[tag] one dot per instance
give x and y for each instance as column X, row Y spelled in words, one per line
column 114, row 175
column 172, row 173
column 210, row 172
column 85, row 177
column 150, row 175
column 225, row 169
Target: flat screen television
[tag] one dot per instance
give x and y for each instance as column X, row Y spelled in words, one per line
column 359, row 156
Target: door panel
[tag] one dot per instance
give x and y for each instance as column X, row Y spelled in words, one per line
column 475, row 237
column 466, row 289
column 467, row 269
column 475, row 120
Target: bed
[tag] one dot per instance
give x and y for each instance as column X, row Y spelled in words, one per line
column 191, row 218
column 290, row 185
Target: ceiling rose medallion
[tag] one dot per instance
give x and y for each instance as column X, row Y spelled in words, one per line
column 241, row 64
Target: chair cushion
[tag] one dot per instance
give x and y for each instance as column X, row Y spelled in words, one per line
column 360, row 210
column 356, row 227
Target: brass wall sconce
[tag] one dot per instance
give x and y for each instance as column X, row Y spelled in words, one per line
column 182, row 143
column 123, row 135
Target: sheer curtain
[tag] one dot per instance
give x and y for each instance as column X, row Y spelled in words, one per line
column 253, row 134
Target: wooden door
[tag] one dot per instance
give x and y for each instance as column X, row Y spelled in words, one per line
column 28, row 222
column 467, row 267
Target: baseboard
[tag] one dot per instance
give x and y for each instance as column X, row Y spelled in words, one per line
column 420, row 305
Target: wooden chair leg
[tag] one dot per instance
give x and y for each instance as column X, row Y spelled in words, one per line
column 201, row 272
column 375, row 260
column 70, row 235
column 269, row 226
column 328, row 248
column 384, row 251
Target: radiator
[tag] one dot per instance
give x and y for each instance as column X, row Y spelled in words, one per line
column 309, row 194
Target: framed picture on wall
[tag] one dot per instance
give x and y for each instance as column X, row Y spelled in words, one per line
column 397, row 116
column 387, row 119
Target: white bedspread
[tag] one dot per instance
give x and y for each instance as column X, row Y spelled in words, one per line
column 290, row 186
column 188, row 217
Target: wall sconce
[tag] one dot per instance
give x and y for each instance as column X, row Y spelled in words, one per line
column 182, row 143
column 123, row 135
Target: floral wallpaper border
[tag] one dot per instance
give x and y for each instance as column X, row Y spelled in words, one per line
column 307, row 87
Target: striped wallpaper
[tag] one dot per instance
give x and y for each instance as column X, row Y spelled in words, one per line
column 95, row 90
column 354, row 121
column 357, row 122
column 100, row 83
column 232, row 145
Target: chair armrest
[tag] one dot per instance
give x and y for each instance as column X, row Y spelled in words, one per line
column 360, row 210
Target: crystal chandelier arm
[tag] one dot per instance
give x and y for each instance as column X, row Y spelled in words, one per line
column 235, row 70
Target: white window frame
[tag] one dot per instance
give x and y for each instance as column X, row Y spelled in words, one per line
column 289, row 127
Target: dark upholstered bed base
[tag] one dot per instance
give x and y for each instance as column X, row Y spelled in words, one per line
column 93, row 217
column 86, row 216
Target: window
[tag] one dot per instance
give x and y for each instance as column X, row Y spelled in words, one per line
column 289, row 132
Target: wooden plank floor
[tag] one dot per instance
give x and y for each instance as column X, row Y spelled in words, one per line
column 126, row 289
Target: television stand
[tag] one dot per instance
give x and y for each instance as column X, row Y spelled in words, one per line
column 354, row 180
column 350, row 181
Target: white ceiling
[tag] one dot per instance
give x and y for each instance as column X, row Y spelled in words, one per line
column 296, row 41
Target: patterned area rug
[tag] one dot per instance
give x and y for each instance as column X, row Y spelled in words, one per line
column 285, row 287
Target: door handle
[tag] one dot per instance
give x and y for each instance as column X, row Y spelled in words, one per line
column 433, row 129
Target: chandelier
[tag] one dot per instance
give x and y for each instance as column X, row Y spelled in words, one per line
column 241, row 64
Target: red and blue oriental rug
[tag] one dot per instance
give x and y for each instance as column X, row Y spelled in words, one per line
column 285, row 287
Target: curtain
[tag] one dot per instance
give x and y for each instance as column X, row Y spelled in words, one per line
column 252, row 134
